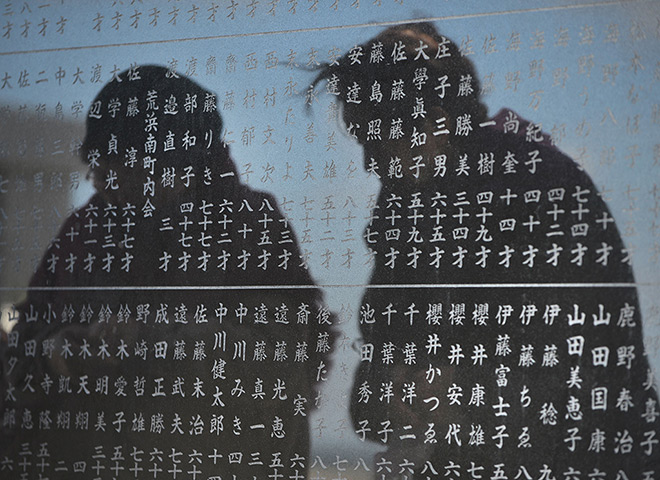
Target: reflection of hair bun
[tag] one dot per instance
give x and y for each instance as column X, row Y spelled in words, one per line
column 403, row 53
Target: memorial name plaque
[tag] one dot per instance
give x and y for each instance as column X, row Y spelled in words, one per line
column 329, row 240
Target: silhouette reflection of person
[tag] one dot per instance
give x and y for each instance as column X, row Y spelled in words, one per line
column 162, row 335
column 498, row 339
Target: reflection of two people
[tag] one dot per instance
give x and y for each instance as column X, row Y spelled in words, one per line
column 155, row 155
column 132, row 351
column 507, row 382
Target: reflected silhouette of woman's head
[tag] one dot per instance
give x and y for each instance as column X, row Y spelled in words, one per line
column 406, row 84
column 151, row 134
